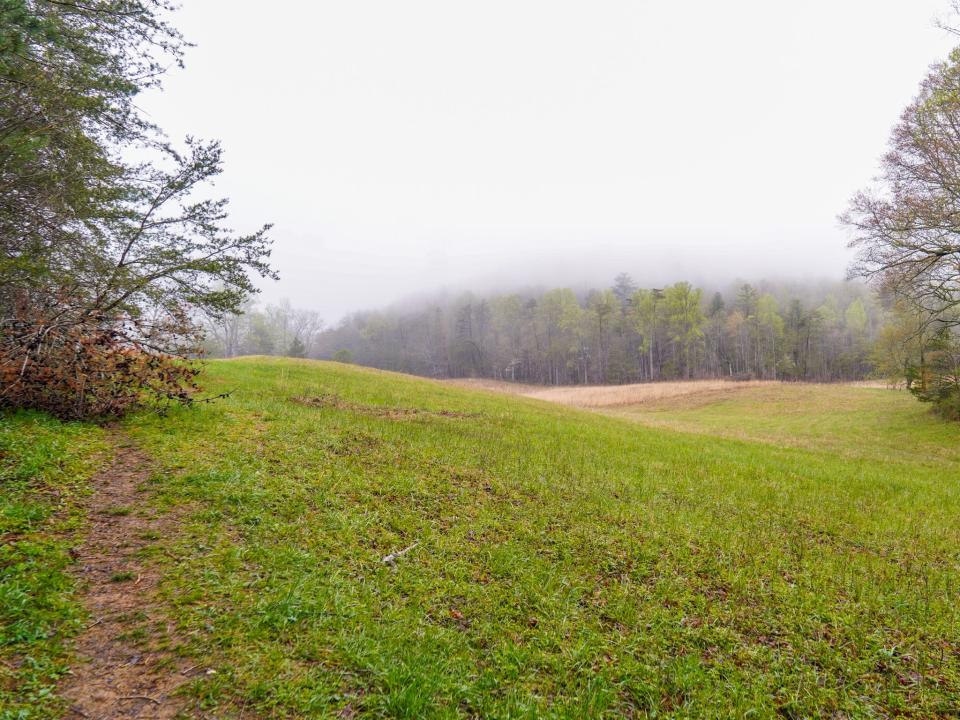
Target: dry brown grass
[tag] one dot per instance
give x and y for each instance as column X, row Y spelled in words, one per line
column 686, row 393
column 601, row 396
column 498, row 386
column 877, row 384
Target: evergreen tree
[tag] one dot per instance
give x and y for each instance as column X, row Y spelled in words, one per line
column 297, row 349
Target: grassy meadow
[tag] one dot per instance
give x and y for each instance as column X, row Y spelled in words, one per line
column 847, row 420
column 780, row 551
column 45, row 466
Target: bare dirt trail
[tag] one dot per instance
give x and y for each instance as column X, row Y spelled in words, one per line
column 125, row 667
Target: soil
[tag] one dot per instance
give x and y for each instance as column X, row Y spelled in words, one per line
column 126, row 665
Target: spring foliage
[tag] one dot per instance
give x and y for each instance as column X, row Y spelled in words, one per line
column 906, row 229
column 621, row 334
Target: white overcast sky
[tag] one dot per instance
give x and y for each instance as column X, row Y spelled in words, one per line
column 404, row 146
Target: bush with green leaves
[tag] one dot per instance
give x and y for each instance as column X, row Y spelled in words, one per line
column 937, row 380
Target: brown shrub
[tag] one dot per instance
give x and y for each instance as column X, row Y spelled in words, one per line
column 83, row 370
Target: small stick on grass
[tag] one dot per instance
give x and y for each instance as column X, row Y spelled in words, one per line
column 139, row 697
column 393, row 557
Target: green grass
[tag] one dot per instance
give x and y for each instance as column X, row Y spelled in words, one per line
column 853, row 422
column 793, row 554
column 569, row 564
column 44, row 469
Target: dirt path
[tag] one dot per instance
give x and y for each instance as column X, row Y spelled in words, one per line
column 125, row 666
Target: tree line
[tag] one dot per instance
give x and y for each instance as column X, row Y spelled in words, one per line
column 275, row 329
column 619, row 334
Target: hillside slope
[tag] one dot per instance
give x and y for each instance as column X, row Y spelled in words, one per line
column 563, row 563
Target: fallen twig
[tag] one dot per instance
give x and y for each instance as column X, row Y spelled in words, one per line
column 393, row 557
column 221, row 396
column 139, row 697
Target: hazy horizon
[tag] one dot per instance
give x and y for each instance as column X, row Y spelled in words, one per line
column 405, row 149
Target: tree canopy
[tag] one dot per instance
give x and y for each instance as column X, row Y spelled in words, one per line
column 103, row 260
column 906, row 229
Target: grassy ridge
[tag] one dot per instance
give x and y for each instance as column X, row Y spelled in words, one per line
column 569, row 564
column 44, row 469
